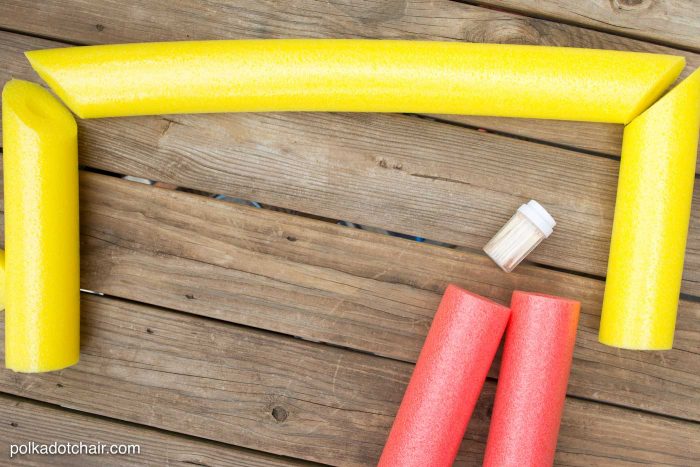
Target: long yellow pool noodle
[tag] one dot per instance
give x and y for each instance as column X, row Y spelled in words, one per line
column 650, row 229
column 42, row 288
column 356, row 76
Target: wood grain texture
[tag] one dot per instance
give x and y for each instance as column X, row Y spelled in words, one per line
column 673, row 22
column 114, row 21
column 24, row 421
column 416, row 177
column 270, row 393
column 351, row 288
column 397, row 172
column 598, row 138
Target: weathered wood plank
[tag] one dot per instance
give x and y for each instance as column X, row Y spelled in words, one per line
column 327, row 283
column 88, row 22
column 270, row 393
column 673, row 22
column 597, row 138
column 397, row 172
column 24, row 421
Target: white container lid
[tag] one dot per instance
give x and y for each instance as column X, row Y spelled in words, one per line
column 538, row 216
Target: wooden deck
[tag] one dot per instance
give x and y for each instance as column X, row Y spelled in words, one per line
column 228, row 335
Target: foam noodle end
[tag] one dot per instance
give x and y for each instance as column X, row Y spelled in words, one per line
column 32, row 106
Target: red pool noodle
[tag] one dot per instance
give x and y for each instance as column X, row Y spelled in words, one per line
column 532, row 382
column 446, row 382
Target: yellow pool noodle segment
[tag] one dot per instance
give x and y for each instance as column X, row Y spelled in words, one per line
column 2, row 279
column 354, row 75
column 650, row 228
column 42, row 265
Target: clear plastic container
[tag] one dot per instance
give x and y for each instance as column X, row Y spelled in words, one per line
column 522, row 233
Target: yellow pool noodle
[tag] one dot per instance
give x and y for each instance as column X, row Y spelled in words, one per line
column 2, row 279
column 42, row 267
column 650, row 228
column 356, row 76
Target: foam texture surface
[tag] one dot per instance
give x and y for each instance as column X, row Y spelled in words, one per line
column 532, row 381
column 42, row 265
column 357, row 76
column 2, row 279
column 446, row 382
column 652, row 212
